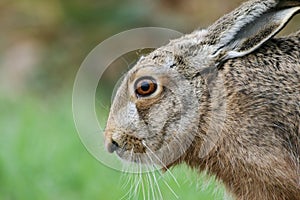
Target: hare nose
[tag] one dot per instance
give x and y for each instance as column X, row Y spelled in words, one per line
column 112, row 146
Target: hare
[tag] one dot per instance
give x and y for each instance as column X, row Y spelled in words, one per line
column 225, row 100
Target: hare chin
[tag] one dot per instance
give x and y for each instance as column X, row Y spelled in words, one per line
column 128, row 156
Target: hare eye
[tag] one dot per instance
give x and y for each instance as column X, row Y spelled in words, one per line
column 145, row 87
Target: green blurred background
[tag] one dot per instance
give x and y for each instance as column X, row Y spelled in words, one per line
column 42, row 44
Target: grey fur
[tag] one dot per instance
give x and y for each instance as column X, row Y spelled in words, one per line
column 228, row 102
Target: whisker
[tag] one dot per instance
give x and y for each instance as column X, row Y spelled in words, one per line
column 131, row 179
column 143, row 142
column 137, row 185
column 123, row 176
column 157, row 185
column 151, row 184
column 135, row 180
column 141, row 175
column 127, row 194
column 148, row 182
column 154, row 177
column 166, row 183
column 132, row 195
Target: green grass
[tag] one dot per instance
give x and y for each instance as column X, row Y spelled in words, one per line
column 41, row 157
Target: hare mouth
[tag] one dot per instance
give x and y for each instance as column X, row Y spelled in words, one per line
column 131, row 150
column 130, row 156
column 135, row 153
column 136, row 150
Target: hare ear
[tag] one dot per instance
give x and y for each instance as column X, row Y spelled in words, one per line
column 248, row 27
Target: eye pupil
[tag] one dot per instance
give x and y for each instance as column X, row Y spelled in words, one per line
column 145, row 86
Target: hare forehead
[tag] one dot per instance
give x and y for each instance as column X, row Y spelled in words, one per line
column 192, row 47
column 159, row 57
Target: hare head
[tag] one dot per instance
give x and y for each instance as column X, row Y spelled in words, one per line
column 162, row 105
column 154, row 113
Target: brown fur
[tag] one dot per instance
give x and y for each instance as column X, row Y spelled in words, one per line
column 258, row 155
column 227, row 101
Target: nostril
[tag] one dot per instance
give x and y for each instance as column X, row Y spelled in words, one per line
column 113, row 146
column 114, row 143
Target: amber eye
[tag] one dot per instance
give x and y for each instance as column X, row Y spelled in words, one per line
column 145, row 86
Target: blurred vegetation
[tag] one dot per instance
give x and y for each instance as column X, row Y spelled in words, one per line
column 41, row 157
column 42, row 44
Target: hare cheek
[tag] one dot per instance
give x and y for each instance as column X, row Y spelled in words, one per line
column 127, row 117
column 131, row 119
column 132, row 111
